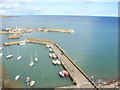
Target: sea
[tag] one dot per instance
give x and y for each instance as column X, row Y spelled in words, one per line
column 93, row 47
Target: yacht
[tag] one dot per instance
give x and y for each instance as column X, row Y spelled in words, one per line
column 1, row 54
column 31, row 62
column 17, row 77
column 9, row 56
column 36, row 59
column 32, row 83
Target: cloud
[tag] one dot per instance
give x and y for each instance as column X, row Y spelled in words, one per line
column 31, row 1
column 2, row 12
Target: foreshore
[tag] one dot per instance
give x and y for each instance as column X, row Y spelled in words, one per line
column 6, row 81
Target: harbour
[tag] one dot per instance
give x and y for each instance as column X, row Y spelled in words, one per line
column 78, row 76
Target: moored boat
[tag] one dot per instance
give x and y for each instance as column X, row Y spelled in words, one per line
column 56, row 62
column 1, row 48
column 32, row 83
column 27, row 80
column 9, row 56
column 18, row 58
column 50, row 55
column 36, row 59
column 31, row 62
column 1, row 54
column 61, row 74
column 50, row 49
column 47, row 45
column 17, row 77
column 22, row 43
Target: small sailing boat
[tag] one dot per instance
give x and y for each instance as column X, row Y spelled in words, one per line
column 36, row 59
column 19, row 57
column 17, row 77
column 31, row 63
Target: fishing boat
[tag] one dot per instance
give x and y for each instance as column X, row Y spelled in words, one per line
column 31, row 63
column 36, row 59
column 1, row 48
column 17, row 77
column 22, row 43
column 9, row 56
column 27, row 80
column 50, row 55
column 1, row 54
column 47, row 45
column 32, row 83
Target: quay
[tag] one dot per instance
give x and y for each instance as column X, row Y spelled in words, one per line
column 15, row 36
column 79, row 78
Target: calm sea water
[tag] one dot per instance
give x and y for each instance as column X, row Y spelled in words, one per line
column 93, row 47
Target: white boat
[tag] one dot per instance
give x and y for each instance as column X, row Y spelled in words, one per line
column 50, row 49
column 1, row 54
column 9, row 56
column 1, row 48
column 32, row 83
column 17, row 77
column 22, row 43
column 18, row 58
column 27, row 80
column 61, row 74
column 50, row 55
column 36, row 59
column 31, row 63
column 56, row 62
column 47, row 46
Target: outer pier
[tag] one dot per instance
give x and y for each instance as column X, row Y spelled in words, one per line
column 80, row 79
column 15, row 36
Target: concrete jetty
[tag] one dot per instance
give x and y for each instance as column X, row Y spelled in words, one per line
column 79, row 78
column 15, row 36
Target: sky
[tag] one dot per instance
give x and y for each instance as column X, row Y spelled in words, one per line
column 60, row 7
